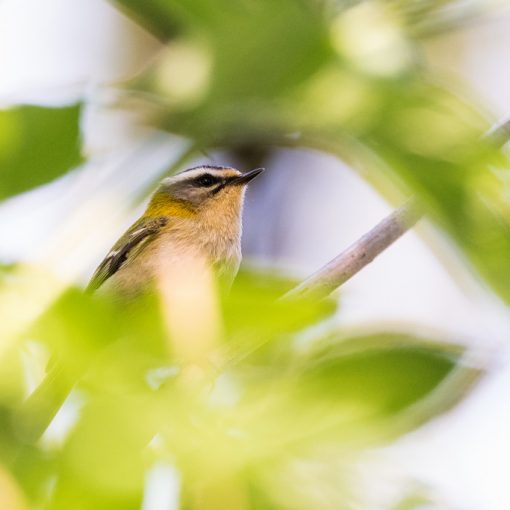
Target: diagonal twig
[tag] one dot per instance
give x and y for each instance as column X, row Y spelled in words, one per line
column 359, row 254
column 348, row 263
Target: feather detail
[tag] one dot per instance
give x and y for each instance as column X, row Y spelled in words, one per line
column 129, row 245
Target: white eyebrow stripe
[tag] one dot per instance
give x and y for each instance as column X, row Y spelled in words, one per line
column 189, row 175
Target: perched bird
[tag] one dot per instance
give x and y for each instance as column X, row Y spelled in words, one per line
column 196, row 213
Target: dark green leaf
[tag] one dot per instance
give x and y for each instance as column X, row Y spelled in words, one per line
column 37, row 145
column 363, row 387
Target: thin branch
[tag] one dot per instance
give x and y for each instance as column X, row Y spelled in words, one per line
column 358, row 255
column 343, row 267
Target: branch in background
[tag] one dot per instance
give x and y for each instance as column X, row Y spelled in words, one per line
column 358, row 255
column 343, row 267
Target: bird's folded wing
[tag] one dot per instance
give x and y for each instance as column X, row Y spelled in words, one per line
column 140, row 233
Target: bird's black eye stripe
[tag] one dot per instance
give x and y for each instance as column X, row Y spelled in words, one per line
column 207, row 180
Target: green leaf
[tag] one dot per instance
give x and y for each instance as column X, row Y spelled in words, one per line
column 350, row 390
column 156, row 16
column 102, row 459
column 286, row 42
column 433, row 142
column 341, row 393
column 387, row 372
column 94, row 342
column 37, row 145
column 254, row 314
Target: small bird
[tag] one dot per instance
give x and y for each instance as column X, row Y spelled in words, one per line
column 196, row 213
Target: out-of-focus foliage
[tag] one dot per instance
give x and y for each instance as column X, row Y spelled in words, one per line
column 36, row 145
column 272, row 403
column 426, row 19
column 278, row 404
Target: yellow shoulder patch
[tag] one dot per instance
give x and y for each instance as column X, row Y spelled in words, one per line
column 163, row 205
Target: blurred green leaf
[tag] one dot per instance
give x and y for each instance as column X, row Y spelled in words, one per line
column 93, row 342
column 102, row 459
column 79, row 328
column 348, row 393
column 156, row 16
column 338, row 395
column 261, row 409
column 388, row 372
column 433, row 142
column 334, row 398
column 255, row 315
column 362, row 387
column 285, row 40
column 37, row 145
column 212, row 90
column 429, row 18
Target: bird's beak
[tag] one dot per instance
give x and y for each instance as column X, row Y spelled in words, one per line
column 246, row 178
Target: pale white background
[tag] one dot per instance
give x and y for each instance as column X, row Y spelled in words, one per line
column 304, row 211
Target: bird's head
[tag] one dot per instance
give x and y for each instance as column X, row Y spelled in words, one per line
column 200, row 189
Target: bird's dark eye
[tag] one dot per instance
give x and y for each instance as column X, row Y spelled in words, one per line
column 206, row 180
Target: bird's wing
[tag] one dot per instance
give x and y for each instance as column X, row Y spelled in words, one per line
column 140, row 233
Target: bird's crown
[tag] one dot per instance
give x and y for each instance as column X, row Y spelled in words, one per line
column 209, row 176
column 190, row 189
